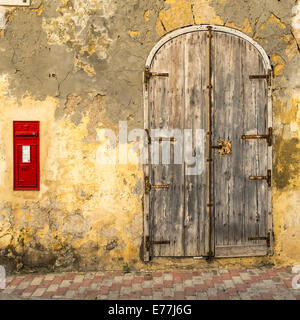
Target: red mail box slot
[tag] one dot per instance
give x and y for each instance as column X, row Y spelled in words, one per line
column 26, row 155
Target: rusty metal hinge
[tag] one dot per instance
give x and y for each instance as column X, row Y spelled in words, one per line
column 268, row 137
column 268, row 77
column 148, row 74
column 149, row 242
column 149, row 186
column 267, row 238
column 268, row 178
column 160, row 139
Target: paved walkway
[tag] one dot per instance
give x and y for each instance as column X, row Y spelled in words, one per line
column 235, row 284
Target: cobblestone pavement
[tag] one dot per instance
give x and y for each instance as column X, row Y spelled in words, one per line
column 233, row 284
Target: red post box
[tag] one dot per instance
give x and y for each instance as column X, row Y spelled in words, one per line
column 26, row 155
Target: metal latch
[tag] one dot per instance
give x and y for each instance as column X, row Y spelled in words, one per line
column 224, row 147
column 268, row 178
column 148, row 74
column 149, row 243
column 262, row 76
column 267, row 238
column 268, row 137
column 149, row 186
column 160, row 139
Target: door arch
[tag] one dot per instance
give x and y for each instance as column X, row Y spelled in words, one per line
column 216, row 79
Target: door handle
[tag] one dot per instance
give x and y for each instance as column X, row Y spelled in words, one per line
column 224, row 147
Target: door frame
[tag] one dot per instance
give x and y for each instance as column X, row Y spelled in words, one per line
column 155, row 49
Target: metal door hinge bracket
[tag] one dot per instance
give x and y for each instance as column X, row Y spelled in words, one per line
column 268, row 137
column 148, row 75
column 268, row 77
column 268, row 178
column 160, row 139
column 149, row 242
column 267, row 239
column 149, row 186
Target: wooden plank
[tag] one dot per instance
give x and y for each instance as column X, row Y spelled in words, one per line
column 168, row 103
column 196, row 77
column 240, row 251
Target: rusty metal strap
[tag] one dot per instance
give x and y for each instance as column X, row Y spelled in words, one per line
column 268, row 178
column 268, row 137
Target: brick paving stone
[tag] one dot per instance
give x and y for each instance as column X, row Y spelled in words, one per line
column 23, row 285
column 65, row 283
column 136, row 287
column 190, row 291
column 187, row 276
column 215, row 279
column 16, row 282
column 107, row 282
column 78, row 278
column 116, row 287
column 167, row 276
column 228, row 283
column 168, row 284
column 179, row 295
column 99, row 278
column 147, row 292
column 127, row 283
column 245, row 276
column 234, row 272
column 52, row 287
column 158, row 280
column 26, row 294
column 157, row 274
column 36, row 281
column 75, row 286
column 137, row 280
column 45, row 283
column 58, row 280
column 147, row 284
column 30, row 288
column 49, row 277
column 18, row 292
column 38, row 292
column 237, row 280
column 70, row 294
column 125, row 290
column 158, row 287
column 168, row 292
column 226, row 276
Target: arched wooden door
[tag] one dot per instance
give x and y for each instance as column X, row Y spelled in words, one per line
column 213, row 80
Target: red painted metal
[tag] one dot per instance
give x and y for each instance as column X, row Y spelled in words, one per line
column 26, row 155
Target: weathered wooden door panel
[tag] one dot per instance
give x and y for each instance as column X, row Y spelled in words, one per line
column 178, row 215
column 239, row 108
column 166, row 101
column 196, row 77
column 179, row 102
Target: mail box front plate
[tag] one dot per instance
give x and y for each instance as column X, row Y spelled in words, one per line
column 26, row 155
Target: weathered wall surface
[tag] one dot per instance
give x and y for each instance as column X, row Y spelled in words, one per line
column 76, row 65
